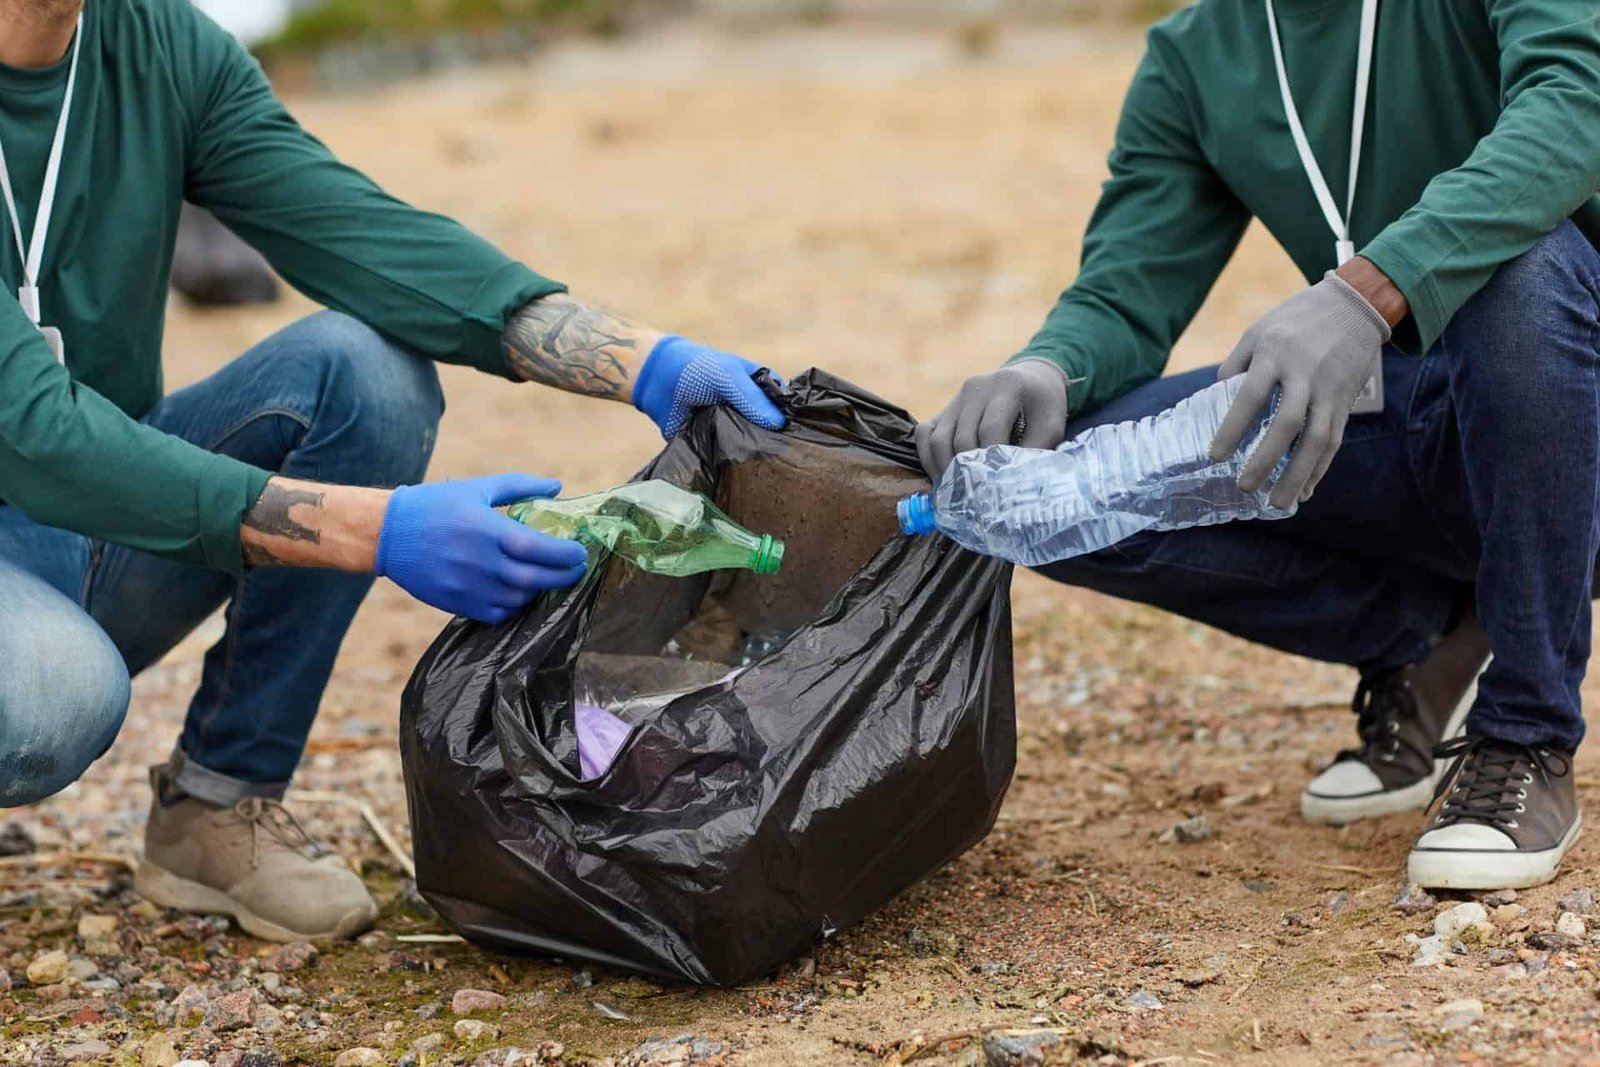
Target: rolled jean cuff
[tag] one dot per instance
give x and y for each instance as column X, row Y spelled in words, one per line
column 215, row 788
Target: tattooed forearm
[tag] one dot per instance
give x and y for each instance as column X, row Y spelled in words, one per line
column 271, row 520
column 271, row 515
column 310, row 524
column 558, row 341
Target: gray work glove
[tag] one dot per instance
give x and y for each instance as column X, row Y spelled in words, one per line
column 1021, row 403
column 1319, row 347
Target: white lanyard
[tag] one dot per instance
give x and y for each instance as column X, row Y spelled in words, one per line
column 1344, row 248
column 33, row 254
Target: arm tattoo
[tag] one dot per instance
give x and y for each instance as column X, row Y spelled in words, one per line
column 558, row 341
column 271, row 517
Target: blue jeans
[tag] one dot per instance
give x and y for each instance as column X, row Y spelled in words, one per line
column 1478, row 485
column 327, row 399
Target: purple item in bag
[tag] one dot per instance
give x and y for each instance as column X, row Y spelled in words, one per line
column 600, row 735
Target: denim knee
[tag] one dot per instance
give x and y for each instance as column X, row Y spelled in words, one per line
column 379, row 401
column 1510, row 335
column 63, row 690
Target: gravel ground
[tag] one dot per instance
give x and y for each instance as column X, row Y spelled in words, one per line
column 885, row 205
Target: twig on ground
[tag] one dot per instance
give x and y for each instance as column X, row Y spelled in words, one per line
column 905, row 1054
column 47, row 859
column 430, row 939
column 370, row 817
column 1346, row 868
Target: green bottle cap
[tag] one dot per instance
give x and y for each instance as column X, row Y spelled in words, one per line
column 769, row 556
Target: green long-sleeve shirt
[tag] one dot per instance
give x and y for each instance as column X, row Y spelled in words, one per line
column 1482, row 135
column 167, row 106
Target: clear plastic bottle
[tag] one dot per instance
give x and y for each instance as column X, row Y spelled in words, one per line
column 1034, row 507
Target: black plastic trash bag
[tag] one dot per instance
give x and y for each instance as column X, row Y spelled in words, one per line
column 212, row 267
column 752, row 813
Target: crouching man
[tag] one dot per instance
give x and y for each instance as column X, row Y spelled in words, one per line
column 129, row 516
column 1431, row 167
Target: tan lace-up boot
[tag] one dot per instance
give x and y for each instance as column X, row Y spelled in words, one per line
column 252, row 861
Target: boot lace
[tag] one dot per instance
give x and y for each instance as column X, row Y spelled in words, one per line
column 1489, row 781
column 1383, row 699
column 270, row 819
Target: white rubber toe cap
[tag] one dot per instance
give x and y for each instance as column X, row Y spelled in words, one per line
column 1464, row 836
column 1346, row 778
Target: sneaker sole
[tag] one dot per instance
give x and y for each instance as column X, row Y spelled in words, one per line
column 1341, row 811
column 1489, row 869
column 167, row 890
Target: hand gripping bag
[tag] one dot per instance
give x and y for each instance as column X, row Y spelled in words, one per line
column 752, row 810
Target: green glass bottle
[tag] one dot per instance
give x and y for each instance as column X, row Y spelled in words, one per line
column 656, row 526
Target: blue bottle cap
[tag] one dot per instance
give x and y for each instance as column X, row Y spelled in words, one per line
column 916, row 515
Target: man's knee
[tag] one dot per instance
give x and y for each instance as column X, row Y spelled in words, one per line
column 1525, row 340
column 385, row 400
column 1534, row 291
column 63, row 693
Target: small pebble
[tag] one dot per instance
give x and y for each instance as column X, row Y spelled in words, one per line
column 15, row 840
column 360, row 1056
column 1570, row 925
column 49, row 968
column 292, row 957
column 1431, row 951
column 82, row 1051
column 471, row 1029
column 1144, row 1000
column 161, row 1050
column 1412, row 899
column 473, row 1001
column 1498, row 898
column 96, row 927
column 1580, row 901
column 231, row 1011
column 1458, row 1014
column 1450, row 924
column 1019, row 1050
column 1508, row 914
column 428, row 1044
column 1189, row 831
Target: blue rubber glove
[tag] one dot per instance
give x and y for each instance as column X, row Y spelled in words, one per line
column 680, row 375
column 446, row 545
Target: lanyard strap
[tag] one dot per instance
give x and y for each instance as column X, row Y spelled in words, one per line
column 1344, row 248
column 33, row 254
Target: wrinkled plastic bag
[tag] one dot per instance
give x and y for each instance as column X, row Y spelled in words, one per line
column 754, row 810
column 212, row 267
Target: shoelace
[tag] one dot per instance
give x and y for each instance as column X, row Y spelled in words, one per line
column 1489, row 780
column 277, row 822
column 1382, row 699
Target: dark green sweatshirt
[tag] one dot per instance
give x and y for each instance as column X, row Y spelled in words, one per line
column 168, row 105
column 1482, row 134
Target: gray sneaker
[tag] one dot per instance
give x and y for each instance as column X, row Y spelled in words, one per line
column 1402, row 715
column 1507, row 815
column 252, row 861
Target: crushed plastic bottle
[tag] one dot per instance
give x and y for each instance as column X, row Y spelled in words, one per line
column 1034, row 507
column 658, row 527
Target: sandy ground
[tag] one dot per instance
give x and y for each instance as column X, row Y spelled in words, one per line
column 881, row 204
